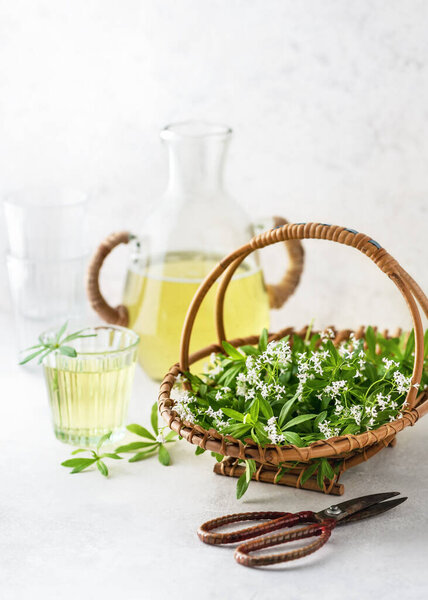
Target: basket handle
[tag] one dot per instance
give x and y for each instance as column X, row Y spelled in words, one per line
column 278, row 293
column 387, row 264
column 116, row 315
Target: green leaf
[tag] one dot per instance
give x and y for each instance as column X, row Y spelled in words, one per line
column 102, row 468
column 68, row 351
column 237, row 429
column 327, row 469
column 171, row 437
column 371, row 343
column 199, row 450
column 141, row 431
column 232, row 351
column 31, row 356
column 164, row 457
column 250, row 469
column 104, row 439
column 135, row 446
column 266, row 408
column 410, row 345
column 254, row 410
column 154, row 418
column 78, row 335
column 320, row 418
column 308, row 472
column 78, row 464
column 233, row 414
column 60, row 332
column 80, row 450
column 111, row 455
column 320, row 478
column 293, row 438
column 263, row 342
column 242, row 485
column 218, row 457
column 142, row 455
column 285, row 411
column 249, row 350
column 299, row 419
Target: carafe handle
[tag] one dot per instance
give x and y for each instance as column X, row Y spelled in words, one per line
column 278, row 293
column 116, row 315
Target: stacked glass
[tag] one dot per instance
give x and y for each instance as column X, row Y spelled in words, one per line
column 46, row 260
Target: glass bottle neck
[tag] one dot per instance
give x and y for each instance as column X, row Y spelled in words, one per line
column 196, row 158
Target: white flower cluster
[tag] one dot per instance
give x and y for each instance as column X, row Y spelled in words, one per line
column 327, row 430
column 182, row 399
column 389, row 363
column 248, row 384
column 217, row 415
column 402, row 383
column 272, row 432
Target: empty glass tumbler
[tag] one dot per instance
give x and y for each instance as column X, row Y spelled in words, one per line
column 89, row 394
column 47, row 258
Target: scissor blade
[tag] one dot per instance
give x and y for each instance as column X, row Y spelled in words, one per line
column 373, row 511
column 345, row 509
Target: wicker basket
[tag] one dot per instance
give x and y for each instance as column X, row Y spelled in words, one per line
column 346, row 450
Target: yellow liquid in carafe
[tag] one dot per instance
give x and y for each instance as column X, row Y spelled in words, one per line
column 158, row 298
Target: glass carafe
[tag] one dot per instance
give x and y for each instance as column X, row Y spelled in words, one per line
column 194, row 225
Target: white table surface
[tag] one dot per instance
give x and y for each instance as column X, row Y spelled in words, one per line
column 133, row 535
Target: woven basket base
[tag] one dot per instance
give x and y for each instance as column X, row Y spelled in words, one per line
column 271, row 474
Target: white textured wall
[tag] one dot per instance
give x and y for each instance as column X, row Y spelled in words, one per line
column 328, row 100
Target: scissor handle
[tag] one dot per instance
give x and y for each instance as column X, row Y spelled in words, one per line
column 276, row 520
column 320, row 530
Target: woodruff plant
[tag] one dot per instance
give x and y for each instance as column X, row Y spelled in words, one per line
column 296, row 391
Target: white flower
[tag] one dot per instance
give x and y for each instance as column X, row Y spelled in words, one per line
column 336, row 388
column 181, row 400
column 218, row 396
column 389, row 363
column 250, row 394
column 272, row 431
column 241, row 378
column 160, row 438
column 355, row 413
column 402, row 382
column 326, row 429
column 241, row 389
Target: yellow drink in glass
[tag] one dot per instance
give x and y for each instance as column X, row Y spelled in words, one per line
column 89, row 394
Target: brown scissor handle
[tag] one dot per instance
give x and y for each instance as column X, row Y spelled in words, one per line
column 321, row 531
column 118, row 315
column 275, row 521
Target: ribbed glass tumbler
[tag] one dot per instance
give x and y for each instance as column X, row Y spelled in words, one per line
column 89, row 394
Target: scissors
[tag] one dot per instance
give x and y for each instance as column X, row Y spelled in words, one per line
column 319, row 525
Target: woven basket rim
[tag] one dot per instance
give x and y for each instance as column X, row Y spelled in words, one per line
column 271, row 453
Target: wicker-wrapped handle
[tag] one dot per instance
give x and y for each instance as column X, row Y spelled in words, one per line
column 275, row 520
column 278, row 294
column 321, row 531
column 118, row 315
column 365, row 244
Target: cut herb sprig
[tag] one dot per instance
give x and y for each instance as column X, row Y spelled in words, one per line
column 154, row 442
column 57, row 343
column 78, row 465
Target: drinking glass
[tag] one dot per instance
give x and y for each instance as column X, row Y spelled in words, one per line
column 89, row 394
column 46, row 262
column 45, row 293
column 46, row 223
